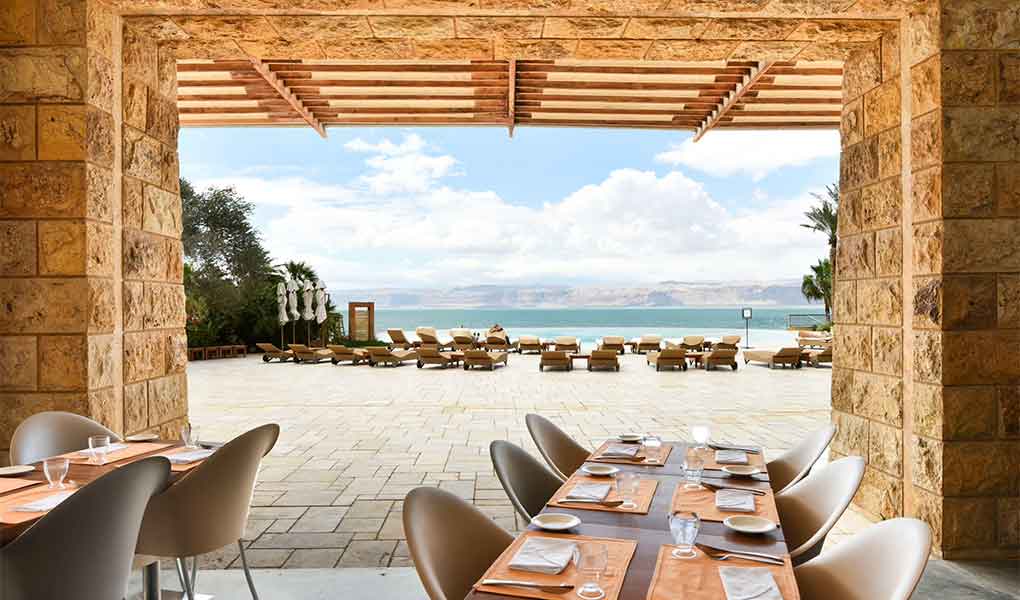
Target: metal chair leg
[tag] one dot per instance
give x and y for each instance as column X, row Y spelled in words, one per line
column 247, row 573
column 182, row 574
column 194, row 572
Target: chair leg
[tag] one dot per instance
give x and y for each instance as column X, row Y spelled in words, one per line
column 182, row 574
column 194, row 571
column 247, row 573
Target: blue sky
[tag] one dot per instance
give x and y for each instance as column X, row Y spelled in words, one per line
column 415, row 207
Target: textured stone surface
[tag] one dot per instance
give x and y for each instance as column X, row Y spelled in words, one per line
column 534, row 49
column 843, row 392
column 566, row 27
column 926, row 456
column 99, row 201
column 17, row 22
column 767, row 51
column 881, row 204
column 852, row 347
column 981, row 245
column 1009, row 78
column 1008, row 300
column 880, row 301
column 17, row 133
column 927, row 304
column 861, row 72
column 101, row 357
column 17, row 248
column 1008, row 189
column 62, row 132
column 135, row 102
column 412, row 27
column 136, row 407
column 968, row 78
column 967, row 359
column 858, row 165
column 99, row 90
column 666, row 28
column 146, row 256
column 882, row 107
column 176, row 346
column 926, row 194
column 168, row 398
column 62, row 248
column 925, row 86
column 889, row 153
column 927, row 247
column 459, row 48
column 855, row 256
column 851, row 125
column 690, row 50
column 104, row 406
column 968, row 523
column 968, row 190
column 928, row 356
column 161, row 119
column 102, row 305
column 99, row 132
column 62, row 363
column 1009, row 522
column 132, row 202
column 142, row 156
column 888, row 350
column 969, row 302
column 369, row 49
column 844, row 299
column 878, row 397
column 749, row 29
column 62, row 22
column 18, row 406
column 143, row 356
column 888, row 252
column 161, row 211
column 985, row 24
column 139, row 57
column 880, row 494
column 613, row 49
column 164, row 305
column 885, row 449
column 926, row 140
column 851, row 434
column 134, row 305
column 42, row 305
column 18, row 363
column 99, row 259
column 980, row 468
column 42, row 74
column 981, row 134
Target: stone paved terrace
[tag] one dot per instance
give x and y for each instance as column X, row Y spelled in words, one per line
column 355, row 440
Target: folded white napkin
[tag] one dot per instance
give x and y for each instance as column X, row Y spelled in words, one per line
column 589, row 491
column 621, row 450
column 743, row 583
column 734, row 501
column 543, row 555
column 184, row 458
column 731, row 457
column 44, row 504
column 106, row 449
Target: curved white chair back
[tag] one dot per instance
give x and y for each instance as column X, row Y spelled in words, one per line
column 560, row 451
column 48, row 434
column 796, row 463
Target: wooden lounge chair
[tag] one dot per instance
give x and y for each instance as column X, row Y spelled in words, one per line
column 270, row 351
column 668, row 358
column 529, row 343
column 732, row 340
column 428, row 355
column 343, row 353
column 815, row 358
column 556, row 359
column 498, row 342
column 482, row 358
column 647, row 343
column 613, row 342
column 568, row 343
column 721, row 354
column 380, row 355
column 783, row 356
column 463, row 339
column 428, row 336
column 604, row 359
column 693, row 342
column 398, row 339
column 814, row 339
column 304, row 354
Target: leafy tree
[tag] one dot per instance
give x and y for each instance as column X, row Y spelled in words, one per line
column 823, row 218
column 818, row 285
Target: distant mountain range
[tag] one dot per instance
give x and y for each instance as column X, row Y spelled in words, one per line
column 662, row 294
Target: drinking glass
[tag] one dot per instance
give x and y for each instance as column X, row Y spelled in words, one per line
column 56, row 470
column 652, row 445
column 189, row 435
column 701, row 435
column 627, row 488
column 592, row 559
column 684, row 528
column 98, row 447
column 694, row 468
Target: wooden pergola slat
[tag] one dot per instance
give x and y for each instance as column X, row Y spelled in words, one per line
column 271, row 78
column 732, row 100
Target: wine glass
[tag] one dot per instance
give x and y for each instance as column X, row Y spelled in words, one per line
column 98, row 447
column 701, row 435
column 592, row 559
column 684, row 526
column 627, row 485
column 694, row 469
column 651, row 444
column 56, row 470
column 189, row 435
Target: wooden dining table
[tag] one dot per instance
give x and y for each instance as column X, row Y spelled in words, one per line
column 651, row 531
column 80, row 474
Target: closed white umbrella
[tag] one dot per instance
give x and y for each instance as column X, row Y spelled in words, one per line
column 281, row 303
column 307, row 312
column 292, row 288
column 320, row 303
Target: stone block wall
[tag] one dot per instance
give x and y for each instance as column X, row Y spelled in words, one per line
column 68, row 253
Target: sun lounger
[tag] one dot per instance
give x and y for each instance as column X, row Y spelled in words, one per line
column 556, row 359
column 732, row 340
column 398, row 339
column 783, row 356
column 721, row 354
column 814, row 339
column 380, row 355
column 270, row 351
column 304, row 354
column 343, row 353
column 816, row 357
column 428, row 355
column 428, row 335
column 613, row 342
column 693, row 342
column 529, row 343
column 669, row 358
column 498, row 342
column 481, row 358
column 463, row 339
column 604, row 359
column 646, row 343
column 567, row 343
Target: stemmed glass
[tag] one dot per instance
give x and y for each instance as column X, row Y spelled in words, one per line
column 189, row 435
column 592, row 559
column 627, row 485
column 701, row 435
column 56, row 470
column 684, row 528
column 651, row 444
column 99, row 445
column 694, row 469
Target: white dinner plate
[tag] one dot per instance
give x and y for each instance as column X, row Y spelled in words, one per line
column 16, row 470
column 630, row 438
column 555, row 521
column 749, row 524
column 741, row 470
column 141, row 437
column 600, row 470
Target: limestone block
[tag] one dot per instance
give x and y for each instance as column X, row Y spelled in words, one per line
column 855, row 256
column 768, row 51
column 981, row 468
column 164, row 305
column 17, row 248
column 928, row 410
column 665, row 28
column 322, row 28
column 926, row 194
column 1009, row 412
column 826, row 51
column 880, row 301
column 969, row 302
column 132, row 202
column 926, row 457
column 63, row 363
column 968, row 78
column 843, row 392
column 888, row 252
column 105, row 407
column 923, row 31
column 170, row 170
column 136, row 407
column 723, row 6
column 62, row 22
column 140, row 57
column 1009, row 78
column 862, row 72
column 887, row 356
column 981, row 134
column 161, row 118
column 840, row 31
column 612, row 49
column 134, row 305
column 99, row 29
column 925, row 86
column 878, row 397
column 928, row 359
column 1008, row 189
column 851, row 126
column 99, row 193
column 18, row 406
column 890, row 48
column 171, row 429
column 981, row 245
column 101, row 357
column 858, row 165
column 167, row 398
column 145, row 256
column 174, row 262
column 477, row 49
column 17, row 133
column 968, row 190
column 844, row 302
column 852, row 347
column 969, row 412
column 166, row 73
column 851, row 435
column 142, row 156
column 1008, row 301
column 428, row 27
column 135, row 103
column 981, row 357
column 926, row 140
column 18, row 363
column 987, row 24
column 61, row 132
column 927, row 306
column 927, row 247
column 881, row 204
column 586, row 27
column 99, row 132
column 1009, row 522
column 99, row 89
column 143, row 356
column 534, row 49
column 62, row 247
column 365, row 49
column 43, row 305
column 849, row 221
column 99, row 258
column 161, row 211
column 749, row 29
column 690, row 50
column 889, row 157
column 885, row 449
column 968, row 523
column 880, row 494
column 17, row 22
column 177, row 351
column 42, row 74
column 928, row 507
column 102, row 308
column 882, row 107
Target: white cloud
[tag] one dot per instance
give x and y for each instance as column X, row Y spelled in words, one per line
column 754, row 153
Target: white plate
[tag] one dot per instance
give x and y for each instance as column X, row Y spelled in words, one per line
column 600, row 470
column 630, row 438
column 749, row 524
column 141, row 437
column 555, row 521
column 741, row 470
column 16, row 470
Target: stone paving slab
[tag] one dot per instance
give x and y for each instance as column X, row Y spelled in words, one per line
column 356, row 439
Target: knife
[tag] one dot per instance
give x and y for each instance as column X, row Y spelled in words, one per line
column 716, row 486
column 528, row 584
column 607, row 503
column 747, row 449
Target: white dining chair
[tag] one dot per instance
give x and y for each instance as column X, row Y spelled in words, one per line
column 560, row 451
column 796, row 463
column 527, row 482
column 883, row 562
column 51, row 433
column 810, row 508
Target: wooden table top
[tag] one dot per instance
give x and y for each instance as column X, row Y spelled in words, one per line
column 651, row 531
column 81, row 474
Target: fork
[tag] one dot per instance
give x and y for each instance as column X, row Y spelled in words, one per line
column 740, row 556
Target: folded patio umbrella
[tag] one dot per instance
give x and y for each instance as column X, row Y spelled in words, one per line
column 292, row 287
column 320, row 302
column 281, row 303
column 307, row 312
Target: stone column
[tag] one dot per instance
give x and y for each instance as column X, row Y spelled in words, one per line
column 63, row 276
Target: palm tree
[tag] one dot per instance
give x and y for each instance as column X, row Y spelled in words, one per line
column 824, row 217
column 297, row 270
column 818, row 285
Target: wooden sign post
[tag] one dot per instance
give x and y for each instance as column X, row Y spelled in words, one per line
column 361, row 320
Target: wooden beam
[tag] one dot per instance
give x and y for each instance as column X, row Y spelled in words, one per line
column 732, row 99
column 511, row 97
column 262, row 69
